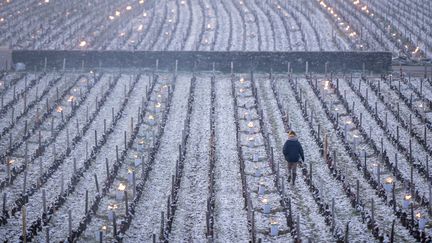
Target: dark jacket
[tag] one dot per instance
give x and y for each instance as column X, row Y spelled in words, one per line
column 293, row 150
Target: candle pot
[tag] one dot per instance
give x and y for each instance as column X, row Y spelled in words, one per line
column 258, row 172
column 266, row 208
column 388, row 187
column 137, row 162
column 120, row 195
column 110, row 215
column 274, row 229
column 130, row 178
column 255, row 157
column 422, row 223
column 406, row 203
column 261, row 190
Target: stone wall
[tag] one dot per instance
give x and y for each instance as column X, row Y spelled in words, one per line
column 378, row 62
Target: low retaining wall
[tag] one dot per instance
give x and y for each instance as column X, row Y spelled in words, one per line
column 377, row 62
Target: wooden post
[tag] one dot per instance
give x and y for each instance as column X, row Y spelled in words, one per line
column 95, row 138
column 357, row 191
column 326, row 148
column 96, row 182
column 333, row 212
column 86, row 201
column 126, row 204
column 4, row 202
column 346, row 233
column 392, row 232
column 74, row 165
column 161, row 235
column 298, row 228
column 133, row 185
column 70, row 222
column 114, row 225
column 47, row 235
column 125, row 140
column 24, row 223
column 373, row 211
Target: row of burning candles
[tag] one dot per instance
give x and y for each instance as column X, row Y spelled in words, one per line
column 389, row 181
column 252, row 142
column 113, row 207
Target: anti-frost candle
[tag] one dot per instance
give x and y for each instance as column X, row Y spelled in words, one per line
column 274, row 227
column 407, row 199
column 266, row 206
column 388, row 184
column 120, row 191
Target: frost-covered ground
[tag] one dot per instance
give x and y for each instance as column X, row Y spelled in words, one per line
column 402, row 27
column 83, row 119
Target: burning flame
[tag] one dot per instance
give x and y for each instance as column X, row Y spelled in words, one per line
column 71, row 98
column 389, row 180
column 112, row 206
column 121, row 187
column 326, row 84
column 83, row 43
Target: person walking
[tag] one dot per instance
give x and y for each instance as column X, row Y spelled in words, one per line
column 293, row 152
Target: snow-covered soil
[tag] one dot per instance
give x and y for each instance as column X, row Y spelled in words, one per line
column 402, row 28
column 113, row 128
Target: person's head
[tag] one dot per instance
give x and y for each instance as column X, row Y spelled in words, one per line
column 291, row 134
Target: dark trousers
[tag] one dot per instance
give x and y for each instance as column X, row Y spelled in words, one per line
column 292, row 171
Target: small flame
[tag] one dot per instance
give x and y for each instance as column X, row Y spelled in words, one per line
column 83, row 43
column 59, row 109
column 158, row 105
column 389, row 180
column 265, row 200
column 122, row 187
column 71, row 98
column 242, row 80
column 418, row 215
column 112, row 206
column 408, row 197
column 151, row 117
column 250, row 124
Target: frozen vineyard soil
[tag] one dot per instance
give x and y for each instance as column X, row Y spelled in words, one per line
column 187, row 157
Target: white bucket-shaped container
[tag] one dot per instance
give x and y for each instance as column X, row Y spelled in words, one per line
column 261, row 190
column 274, row 229
column 119, row 195
column 258, row 172
column 388, row 187
column 422, row 223
column 110, row 215
column 266, row 206
column 130, row 177
column 255, row 157
column 137, row 162
column 406, row 203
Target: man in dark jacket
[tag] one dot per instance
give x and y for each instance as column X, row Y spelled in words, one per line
column 293, row 151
